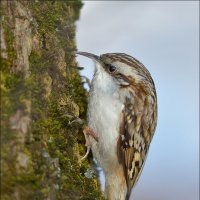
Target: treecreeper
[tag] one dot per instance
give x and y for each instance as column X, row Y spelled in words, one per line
column 122, row 117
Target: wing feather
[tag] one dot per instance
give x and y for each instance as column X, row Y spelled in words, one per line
column 138, row 124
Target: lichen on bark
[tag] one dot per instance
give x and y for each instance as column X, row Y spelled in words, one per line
column 41, row 94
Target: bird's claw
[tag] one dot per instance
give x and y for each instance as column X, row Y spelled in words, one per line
column 87, row 153
column 88, row 131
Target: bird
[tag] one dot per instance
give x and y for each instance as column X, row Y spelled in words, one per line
column 121, row 120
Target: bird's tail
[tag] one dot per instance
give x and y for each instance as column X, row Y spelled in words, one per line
column 128, row 194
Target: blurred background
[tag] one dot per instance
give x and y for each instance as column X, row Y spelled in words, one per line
column 164, row 36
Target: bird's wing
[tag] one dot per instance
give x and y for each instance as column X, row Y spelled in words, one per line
column 138, row 122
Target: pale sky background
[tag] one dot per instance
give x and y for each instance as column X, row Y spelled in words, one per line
column 164, row 36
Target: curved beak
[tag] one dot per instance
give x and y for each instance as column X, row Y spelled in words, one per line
column 89, row 55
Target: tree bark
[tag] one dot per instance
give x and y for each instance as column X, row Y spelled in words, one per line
column 41, row 94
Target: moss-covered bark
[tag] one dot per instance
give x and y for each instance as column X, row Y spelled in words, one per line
column 42, row 97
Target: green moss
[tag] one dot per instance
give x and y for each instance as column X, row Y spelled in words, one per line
column 7, row 25
column 55, row 95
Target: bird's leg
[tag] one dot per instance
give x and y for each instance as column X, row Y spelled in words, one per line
column 88, row 131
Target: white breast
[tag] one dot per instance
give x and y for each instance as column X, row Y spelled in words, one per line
column 104, row 117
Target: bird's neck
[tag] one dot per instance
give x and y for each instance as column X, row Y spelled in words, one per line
column 102, row 81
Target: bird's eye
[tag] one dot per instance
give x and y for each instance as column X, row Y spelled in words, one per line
column 111, row 68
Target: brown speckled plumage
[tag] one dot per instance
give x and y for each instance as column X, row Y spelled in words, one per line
column 138, row 121
column 134, row 89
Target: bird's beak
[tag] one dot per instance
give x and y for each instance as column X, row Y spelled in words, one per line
column 89, row 55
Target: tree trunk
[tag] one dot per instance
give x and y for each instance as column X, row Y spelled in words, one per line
column 42, row 99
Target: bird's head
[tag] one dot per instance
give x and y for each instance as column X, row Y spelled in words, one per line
column 122, row 68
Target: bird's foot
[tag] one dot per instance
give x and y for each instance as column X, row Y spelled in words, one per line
column 87, row 131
